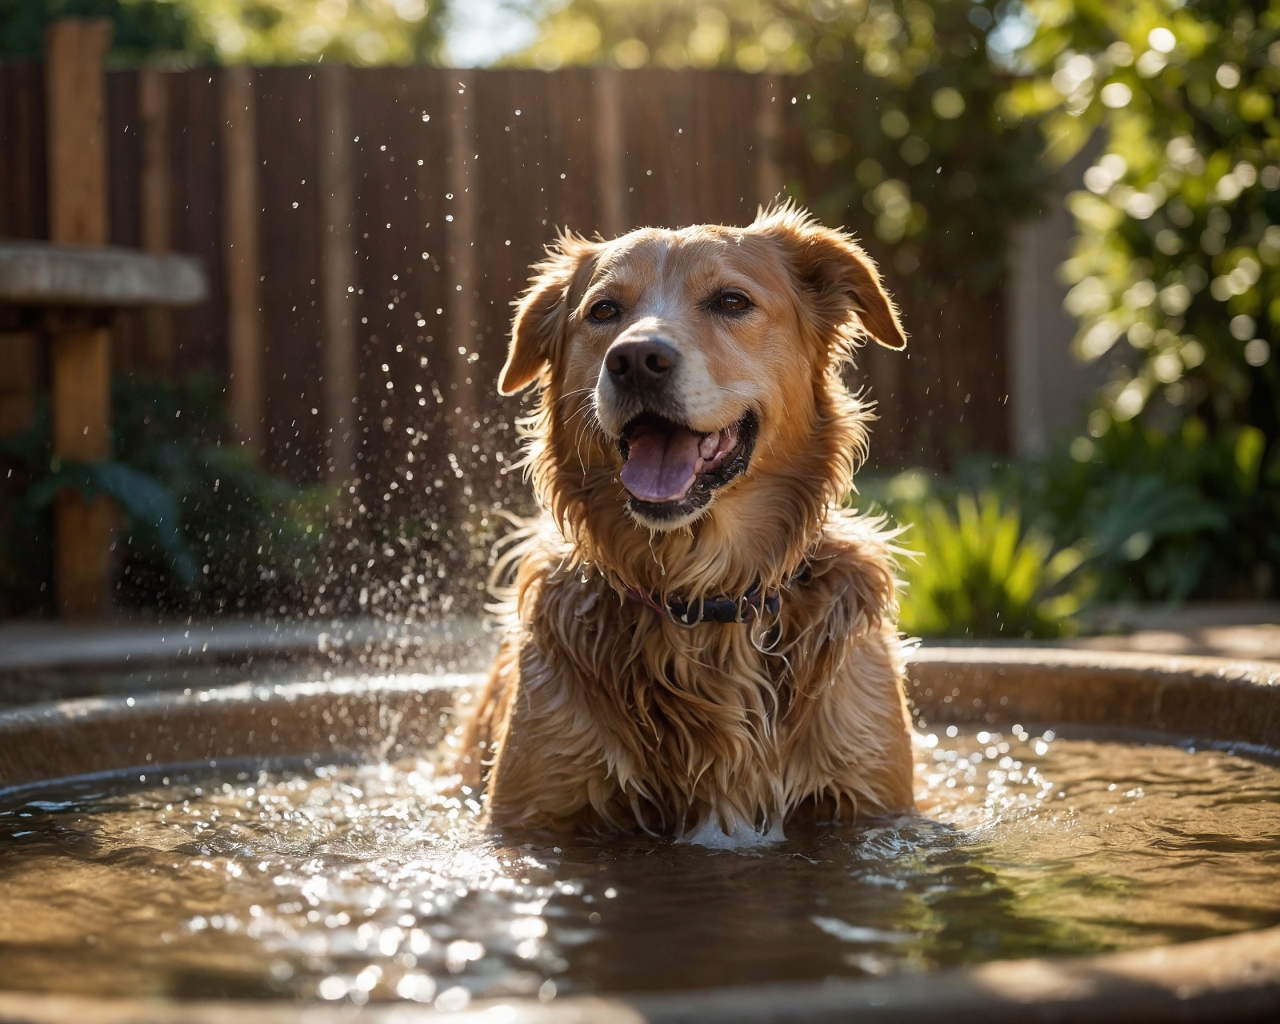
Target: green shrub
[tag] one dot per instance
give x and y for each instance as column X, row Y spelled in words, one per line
column 1169, row 516
column 201, row 527
column 972, row 568
column 256, row 540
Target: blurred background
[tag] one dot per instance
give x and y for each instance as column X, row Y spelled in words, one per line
column 1076, row 202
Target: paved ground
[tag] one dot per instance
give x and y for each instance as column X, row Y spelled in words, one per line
column 47, row 660
column 46, row 644
column 1229, row 629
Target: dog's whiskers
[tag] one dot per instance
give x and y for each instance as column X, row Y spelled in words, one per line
column 584, row 427
column 577, row 391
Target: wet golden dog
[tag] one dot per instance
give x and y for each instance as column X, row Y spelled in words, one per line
column 692, row 446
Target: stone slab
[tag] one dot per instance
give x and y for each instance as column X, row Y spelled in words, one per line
column 42, row 274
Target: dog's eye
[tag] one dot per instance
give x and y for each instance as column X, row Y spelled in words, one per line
column 732, row 302
column 605, row 309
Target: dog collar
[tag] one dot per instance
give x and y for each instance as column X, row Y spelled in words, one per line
column 690, row 613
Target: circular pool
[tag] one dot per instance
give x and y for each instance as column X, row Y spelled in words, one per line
column 1007, row 726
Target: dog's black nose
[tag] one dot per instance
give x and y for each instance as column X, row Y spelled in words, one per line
column 641, row 365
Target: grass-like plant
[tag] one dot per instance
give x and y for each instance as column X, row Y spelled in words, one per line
column 973, row 569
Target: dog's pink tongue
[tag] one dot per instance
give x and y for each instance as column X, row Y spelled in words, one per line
column 660, row 466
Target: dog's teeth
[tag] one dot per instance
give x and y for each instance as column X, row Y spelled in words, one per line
column 707, row 449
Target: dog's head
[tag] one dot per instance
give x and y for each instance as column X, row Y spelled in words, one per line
column 692, row 374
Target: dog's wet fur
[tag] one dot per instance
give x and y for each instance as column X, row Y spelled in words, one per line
column 693, row 437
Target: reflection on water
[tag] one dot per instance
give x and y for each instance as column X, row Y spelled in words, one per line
column 357, row 883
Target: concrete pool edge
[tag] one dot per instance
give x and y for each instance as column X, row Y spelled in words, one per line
column 1220, row 699
column 1234, row 977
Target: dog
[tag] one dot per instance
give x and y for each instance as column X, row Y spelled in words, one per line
column 700, row 639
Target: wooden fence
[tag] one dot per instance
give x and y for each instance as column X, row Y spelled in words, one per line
column 366, row 231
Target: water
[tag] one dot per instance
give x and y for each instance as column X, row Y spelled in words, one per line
column 353, row 883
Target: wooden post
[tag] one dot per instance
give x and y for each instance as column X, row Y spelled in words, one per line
column 153, row 105
column 461, row 235
column 338, row 267
column 770, row 181
column 609, row 152
column 81, row 358
column 76, row 126
column 240, row 201
column 81, row 413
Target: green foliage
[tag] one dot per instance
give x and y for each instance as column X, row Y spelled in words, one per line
column 1178, row 255
column 899, row 101
column 143, row 28
column 747, row 35
column 148, row 504
column 1168, row 516
column 905, row 115
column 362, row 32
column 1133, row 515
column 201, row 528
column 33, row 480
column 972, row 568
column 256, row 540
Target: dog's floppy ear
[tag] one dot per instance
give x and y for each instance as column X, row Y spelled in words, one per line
column 542, row 313
column 841, row 282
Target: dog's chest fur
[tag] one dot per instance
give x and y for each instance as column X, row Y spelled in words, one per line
column 601, row 708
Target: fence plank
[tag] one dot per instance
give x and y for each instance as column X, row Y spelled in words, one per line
column 399, row 117
column 124, row 207
column 241, row 218
column 770, row 174
column 24, row 199
column 462, row 236
column 157, row 191
column 77, row 140
column 610, row 133
column 197, row 215
column 341, row 363
column 23, row 173
column 290, row 271
column 589, row 150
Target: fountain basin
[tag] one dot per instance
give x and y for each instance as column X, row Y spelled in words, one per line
column 1235, row 977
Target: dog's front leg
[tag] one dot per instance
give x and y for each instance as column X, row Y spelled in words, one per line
column 547, row 767
column 847, row 743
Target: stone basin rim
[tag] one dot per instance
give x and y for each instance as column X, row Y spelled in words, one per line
column 1234, row 977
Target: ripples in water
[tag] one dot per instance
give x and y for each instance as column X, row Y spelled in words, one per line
column 351, row 882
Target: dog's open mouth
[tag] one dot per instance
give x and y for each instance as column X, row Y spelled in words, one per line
column 670, row 470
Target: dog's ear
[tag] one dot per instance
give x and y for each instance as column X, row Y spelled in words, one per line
column 542, row 314
column 840, row 282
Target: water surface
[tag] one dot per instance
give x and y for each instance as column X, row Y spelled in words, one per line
column 347, row 882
